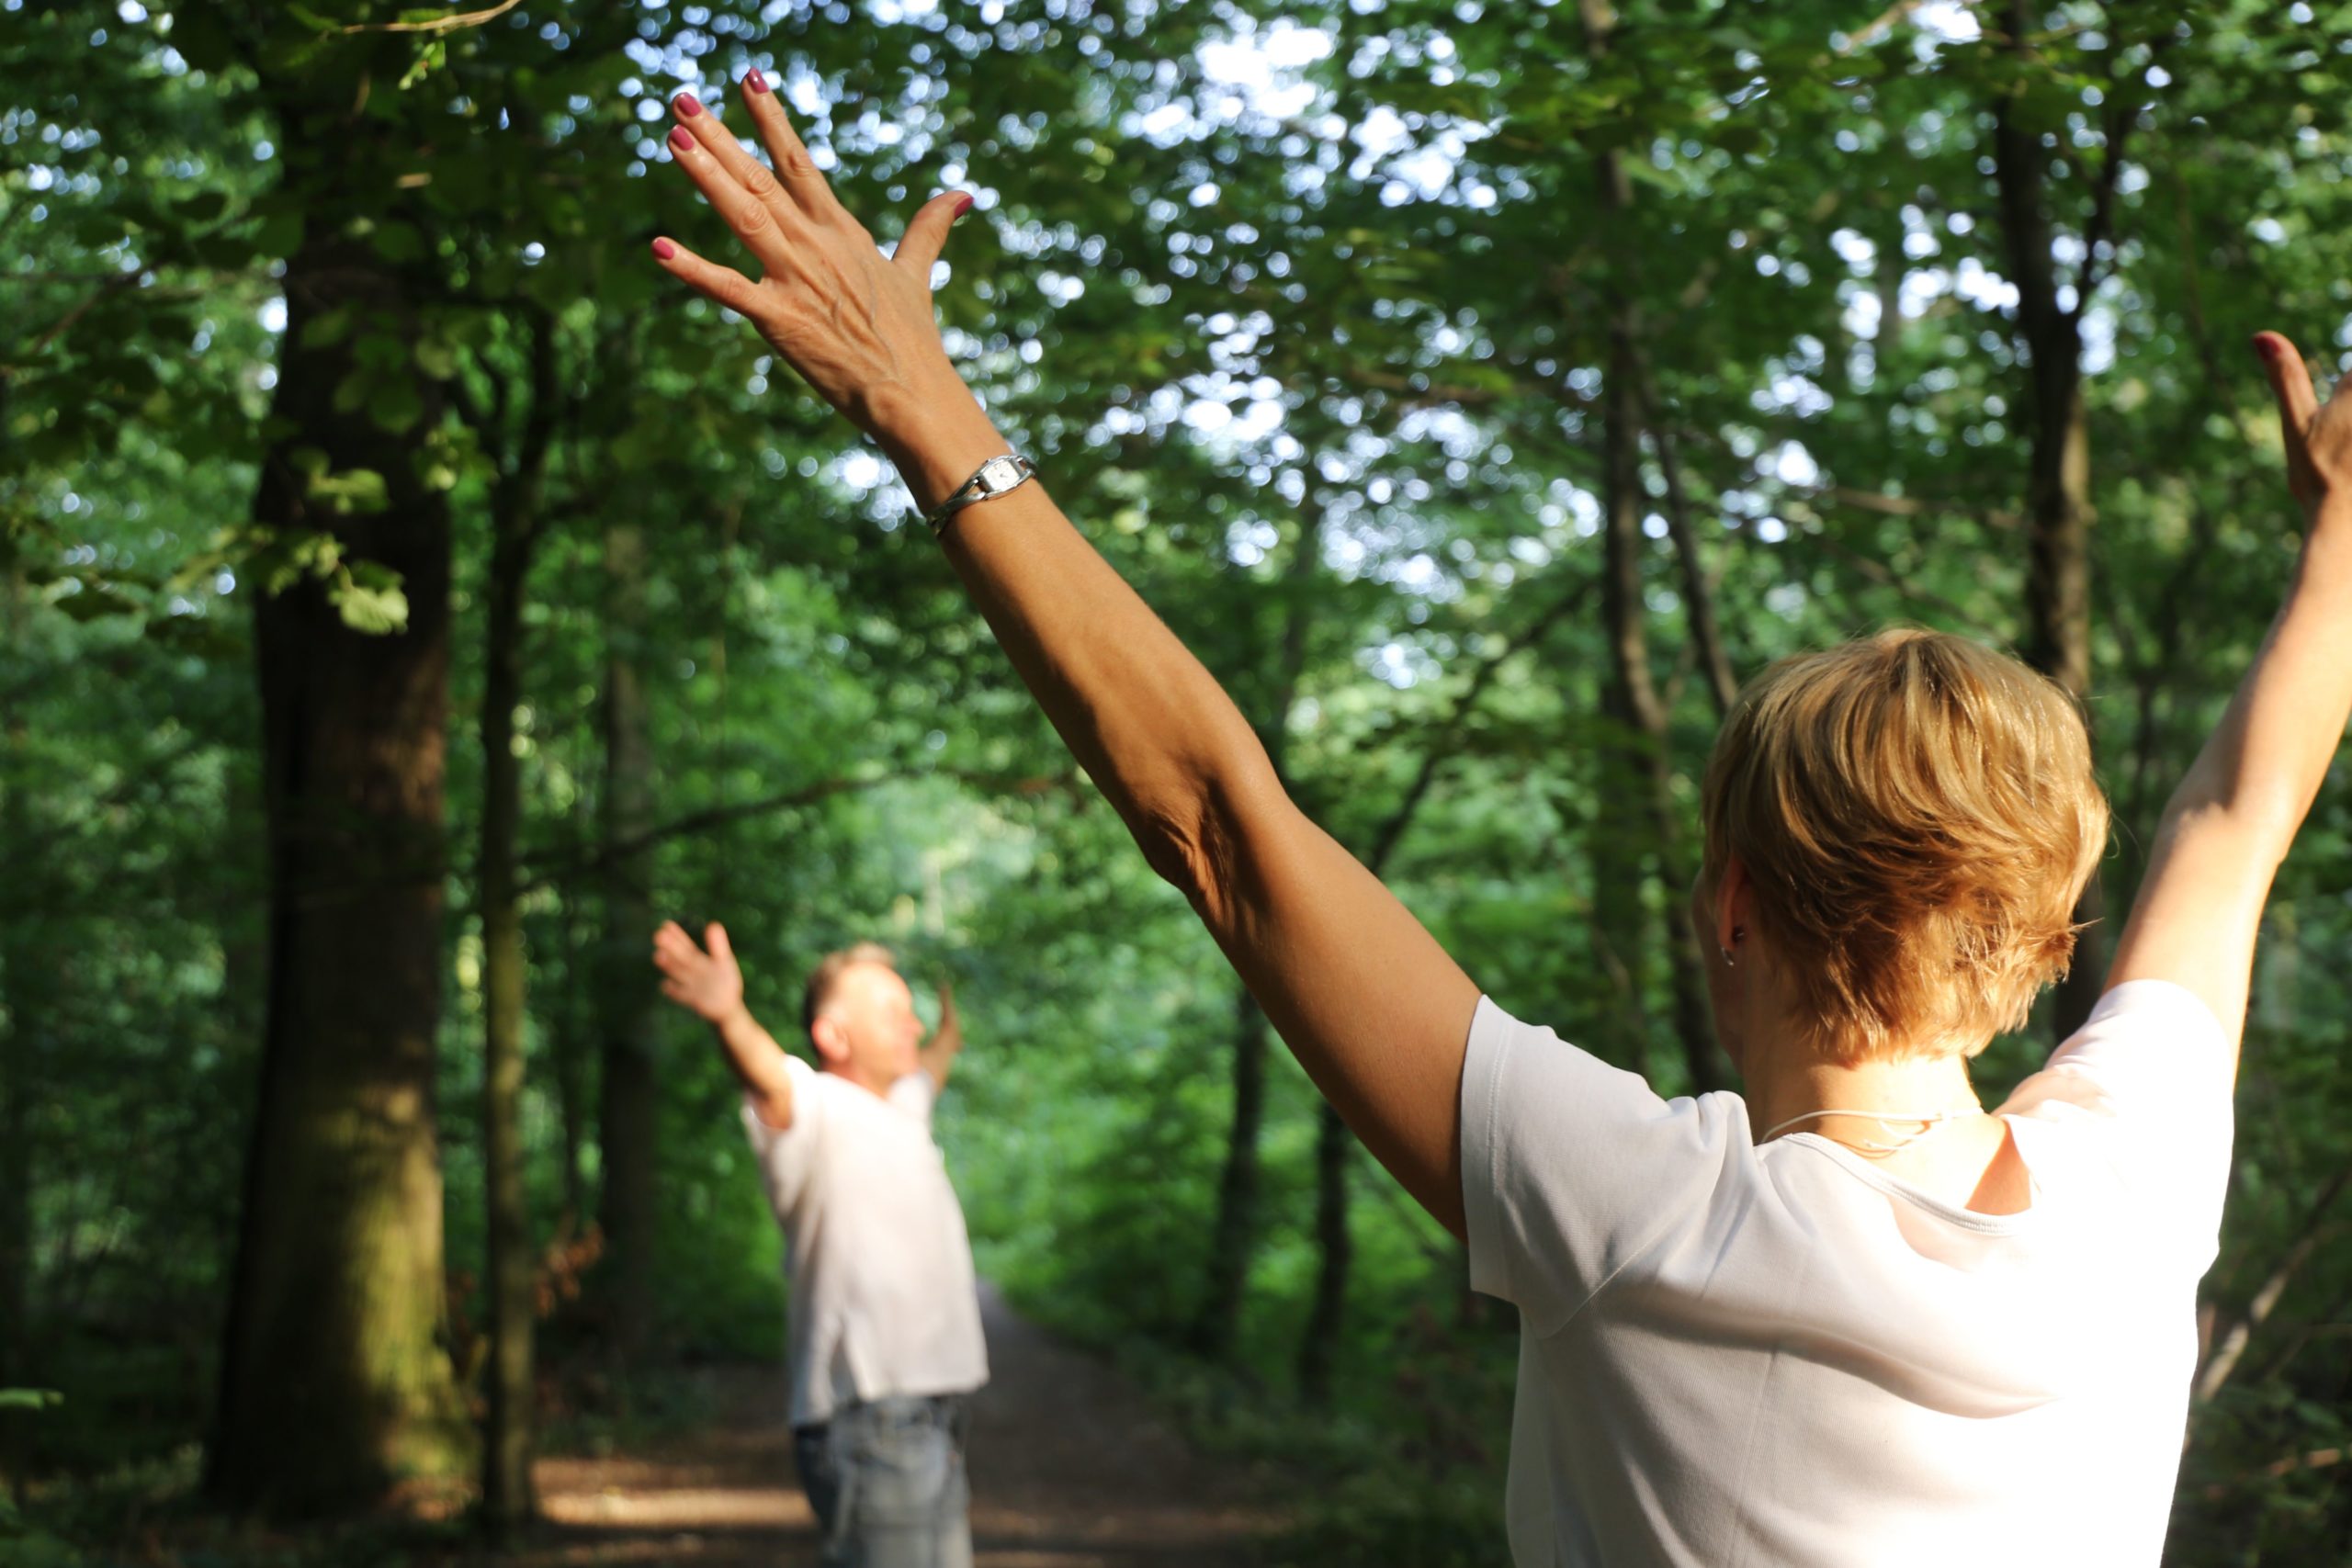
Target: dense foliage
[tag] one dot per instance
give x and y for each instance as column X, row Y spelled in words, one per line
column 1340, row 328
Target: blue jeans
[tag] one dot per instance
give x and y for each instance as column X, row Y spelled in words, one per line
column 885, row 1478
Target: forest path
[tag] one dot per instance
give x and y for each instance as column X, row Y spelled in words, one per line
column 1069, row 1468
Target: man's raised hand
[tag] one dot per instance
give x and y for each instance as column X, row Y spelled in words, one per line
column 707, row 983
column 857, row 325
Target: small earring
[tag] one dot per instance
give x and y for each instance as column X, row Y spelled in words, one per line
column 1729, row 960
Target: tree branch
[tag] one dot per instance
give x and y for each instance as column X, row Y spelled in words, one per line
column 543, row 874
column 438, row 25
column 2231, row 1349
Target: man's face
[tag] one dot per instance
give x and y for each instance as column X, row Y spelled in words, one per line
column 867, row 1030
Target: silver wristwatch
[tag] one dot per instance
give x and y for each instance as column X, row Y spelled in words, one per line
column 996, row 475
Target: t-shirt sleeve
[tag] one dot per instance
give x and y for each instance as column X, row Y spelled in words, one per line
column 785, row 1152
column 1572, row 1169
column 2146, row 1083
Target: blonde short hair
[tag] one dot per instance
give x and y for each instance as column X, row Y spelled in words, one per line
column 828, row 974
column 1918, row 815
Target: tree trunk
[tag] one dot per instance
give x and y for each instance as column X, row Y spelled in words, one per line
column 1641, row 768
column 629, row 1097
column 506, row 1467
column 1336, row 1255
column 1234, row 1233
column 2058, row 506
column 512, row 1261
column 574, row 1023
column 1334, row 1143
column 17, row 1006
column 336, row 1390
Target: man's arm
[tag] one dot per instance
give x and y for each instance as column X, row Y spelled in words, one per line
column 1374, row 1008
column 2230, row 823
column 938, row 1054
column 710, row 986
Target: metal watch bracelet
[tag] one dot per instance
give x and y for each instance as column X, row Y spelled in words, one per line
column 996, row 475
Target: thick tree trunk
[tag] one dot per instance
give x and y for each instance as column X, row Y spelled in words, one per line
column 629, row 1101
column 336, row 1390
column 2058, row 506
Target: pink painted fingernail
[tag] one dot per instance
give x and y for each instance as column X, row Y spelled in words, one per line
column 687, row 105
column 963, row 205
column 2265, row 347
column 682, row 139
column 756, row 82
column 665, row 249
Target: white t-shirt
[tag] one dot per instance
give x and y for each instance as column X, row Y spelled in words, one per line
column 1734, row 1356
column 882, row 1297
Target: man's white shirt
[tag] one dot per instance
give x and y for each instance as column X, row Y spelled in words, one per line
column 882, row 1298
column 1739, row 1356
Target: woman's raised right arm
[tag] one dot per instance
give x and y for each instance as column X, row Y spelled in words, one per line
column 1374, row 1008
column 2230, row 823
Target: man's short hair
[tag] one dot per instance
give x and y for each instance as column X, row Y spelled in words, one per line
column 828, row 974
column 1918, row 816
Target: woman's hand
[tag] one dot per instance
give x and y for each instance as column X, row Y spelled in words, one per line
column 2319, row 437
column 857, row 324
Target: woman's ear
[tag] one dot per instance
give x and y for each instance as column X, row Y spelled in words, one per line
column 1735, row 909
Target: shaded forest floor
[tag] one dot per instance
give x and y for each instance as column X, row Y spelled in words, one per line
column 1070, row 1468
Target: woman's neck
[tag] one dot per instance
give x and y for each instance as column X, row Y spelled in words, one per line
column 1792, row 1093
column 1918, row 1120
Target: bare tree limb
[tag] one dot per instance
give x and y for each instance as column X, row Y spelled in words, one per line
column 545, row 874
column 438, row 25
column 1698, row 597
column 2232, row 1347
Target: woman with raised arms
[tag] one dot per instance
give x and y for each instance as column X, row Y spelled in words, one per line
column 1853, row 1317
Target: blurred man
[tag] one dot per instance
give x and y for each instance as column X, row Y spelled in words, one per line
column 884, row 1311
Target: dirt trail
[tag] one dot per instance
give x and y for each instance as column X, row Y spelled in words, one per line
column 1070, row 1469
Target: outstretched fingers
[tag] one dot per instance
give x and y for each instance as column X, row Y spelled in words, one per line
column 795, row 171
column 674, row 952
column 721, row 285
column 738, row 186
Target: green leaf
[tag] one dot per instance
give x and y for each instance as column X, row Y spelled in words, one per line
column 437, row 358
column 327, row 329
column 396, row 405
column 369, row 595
column 397, row 241
column 280, row 234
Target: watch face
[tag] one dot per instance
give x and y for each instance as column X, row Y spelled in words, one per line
column 998, row 474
